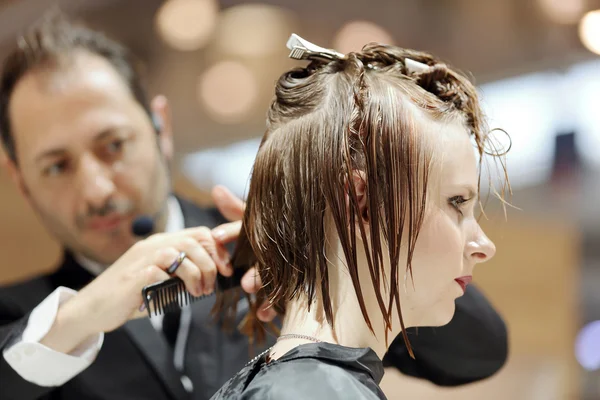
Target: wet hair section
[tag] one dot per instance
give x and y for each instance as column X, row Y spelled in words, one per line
column 330, row 120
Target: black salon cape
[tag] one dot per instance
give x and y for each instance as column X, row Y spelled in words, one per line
column 315, row 371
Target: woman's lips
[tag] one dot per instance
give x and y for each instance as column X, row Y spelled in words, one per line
column 463, row 281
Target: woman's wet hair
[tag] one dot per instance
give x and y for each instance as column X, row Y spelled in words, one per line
column 328, row 121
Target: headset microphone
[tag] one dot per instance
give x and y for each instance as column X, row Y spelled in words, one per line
column 142, row 226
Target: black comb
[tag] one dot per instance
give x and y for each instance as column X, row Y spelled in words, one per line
column 171, row 294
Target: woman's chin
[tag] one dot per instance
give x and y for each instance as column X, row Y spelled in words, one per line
column 439, row 314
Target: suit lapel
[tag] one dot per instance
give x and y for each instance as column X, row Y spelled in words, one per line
column 158, row 354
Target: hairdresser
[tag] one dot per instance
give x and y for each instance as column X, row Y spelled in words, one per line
column 90, row 155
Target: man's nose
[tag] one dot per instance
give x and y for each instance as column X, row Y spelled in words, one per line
column 96, row 182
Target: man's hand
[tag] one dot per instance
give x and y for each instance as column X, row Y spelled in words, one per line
column 232, row 208
column 115, row 296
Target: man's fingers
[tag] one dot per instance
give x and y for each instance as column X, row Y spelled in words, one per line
column 217, row 252
column 266, row 313
column 187, row 270
column 227, row 233
column 193, row 277
column 205, row 264
column 224, row 266
column 251, row 282
column 231, row 206
column 203, row 237
column 149, row 275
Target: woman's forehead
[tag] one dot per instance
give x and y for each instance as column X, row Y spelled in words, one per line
column 454, row 162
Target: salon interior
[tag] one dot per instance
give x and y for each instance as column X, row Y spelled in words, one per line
column 537, row 66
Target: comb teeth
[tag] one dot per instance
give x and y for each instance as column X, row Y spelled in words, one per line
column 168, row 296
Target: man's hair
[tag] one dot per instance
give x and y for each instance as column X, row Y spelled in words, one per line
column 53, row 40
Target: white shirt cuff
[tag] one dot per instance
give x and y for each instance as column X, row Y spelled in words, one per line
column 42, row 365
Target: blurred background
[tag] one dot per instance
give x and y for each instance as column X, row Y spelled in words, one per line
column 537, row 65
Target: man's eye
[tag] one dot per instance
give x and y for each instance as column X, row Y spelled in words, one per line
column 115, row 146
column 55, row 169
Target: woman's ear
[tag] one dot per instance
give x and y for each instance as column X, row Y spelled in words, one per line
column 359, row 182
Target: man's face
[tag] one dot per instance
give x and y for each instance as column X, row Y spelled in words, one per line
column 88, row 156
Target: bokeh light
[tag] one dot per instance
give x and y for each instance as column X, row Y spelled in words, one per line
column 253, row 30
column 187, row 25
column 354, row 35
column 589, row 31
column 227, row 90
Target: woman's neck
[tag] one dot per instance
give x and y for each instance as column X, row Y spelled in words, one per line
column 349, row 327
column 349, row 330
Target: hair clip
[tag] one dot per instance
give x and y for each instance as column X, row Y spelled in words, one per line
column 302, row 49
column 415, row 66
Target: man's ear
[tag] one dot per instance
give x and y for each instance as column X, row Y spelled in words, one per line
column 161, row 115
column 359, row 182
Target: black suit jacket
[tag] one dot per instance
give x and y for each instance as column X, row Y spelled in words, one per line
column 136, row 362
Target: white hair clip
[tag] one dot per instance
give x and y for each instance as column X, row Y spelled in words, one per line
column 415, row 66
column 302, row 49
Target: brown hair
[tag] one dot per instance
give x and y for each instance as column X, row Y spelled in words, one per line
column 326, row 121
column 49, row 42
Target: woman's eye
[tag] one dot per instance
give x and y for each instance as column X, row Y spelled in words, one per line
column 457, row 202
